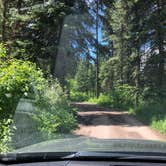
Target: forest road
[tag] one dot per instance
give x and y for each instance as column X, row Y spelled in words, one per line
column 98, row 122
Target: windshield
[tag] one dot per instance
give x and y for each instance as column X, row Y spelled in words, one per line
column 82, row 75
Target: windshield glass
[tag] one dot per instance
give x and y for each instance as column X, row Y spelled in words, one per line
column 82, row 75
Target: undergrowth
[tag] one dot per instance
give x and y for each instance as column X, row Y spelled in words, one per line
column 152, row 114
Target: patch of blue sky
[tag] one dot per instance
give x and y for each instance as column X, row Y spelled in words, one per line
column 145, row 47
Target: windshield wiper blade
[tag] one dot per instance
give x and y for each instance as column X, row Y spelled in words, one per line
column 32, row 157
column 83, row 156
column 111, row 156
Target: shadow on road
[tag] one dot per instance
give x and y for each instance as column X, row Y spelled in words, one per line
column 94, row 115
column 107, row 119
column 86, row 107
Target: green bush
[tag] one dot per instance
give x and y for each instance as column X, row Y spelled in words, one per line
column 17, row 79
column 103, row 100
column 6, row 131
column 154, row 95
column 124, row 96
column 75, row 95
column 78, row 96
column 51, row 117
column 160, row 125
column 53, row 110
column 93, row 100
column 152, row 114
column 21, row 79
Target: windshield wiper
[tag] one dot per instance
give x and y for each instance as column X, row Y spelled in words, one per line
column 32, row 157
column 82, row 156
column 118, row 156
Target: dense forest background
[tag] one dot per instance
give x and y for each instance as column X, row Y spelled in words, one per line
column 110, row 52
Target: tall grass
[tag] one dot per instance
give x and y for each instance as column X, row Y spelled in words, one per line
column 103, row 100
column 122, row 97
column 78, row 96
column 152, row 114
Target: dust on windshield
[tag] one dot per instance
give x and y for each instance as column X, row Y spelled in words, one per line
column 91, row 70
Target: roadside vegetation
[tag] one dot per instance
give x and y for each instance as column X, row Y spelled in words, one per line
column 156, row 116
column 51, row 112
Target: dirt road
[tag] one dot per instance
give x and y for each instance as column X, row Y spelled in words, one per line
column 98, row 122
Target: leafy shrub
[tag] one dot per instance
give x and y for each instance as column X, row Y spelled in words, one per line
column 21, row 79
column 50, row 119
column 53, row 111
column 124, row 96
column 153, row 114
column 17, row 79
column 154, row 95
column 78, row 96
column 93, row 100
column 75, row 95
column 103, row 100
column 2, row 51
column 160, row 125
column 6, row 132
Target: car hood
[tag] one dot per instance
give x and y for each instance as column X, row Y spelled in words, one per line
column 93, row 144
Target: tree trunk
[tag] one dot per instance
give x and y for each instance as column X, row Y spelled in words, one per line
column 17, row 23
column 122, row 56
column 137, row 77
column 160, row 39
column 97, row 49
column 4, row 18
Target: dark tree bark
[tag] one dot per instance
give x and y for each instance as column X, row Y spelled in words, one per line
column 160, row 42
column 4, row 18
column 137, row 78
column 97, row 49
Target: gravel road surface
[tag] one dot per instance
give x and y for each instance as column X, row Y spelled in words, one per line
column 98, row 122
